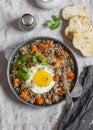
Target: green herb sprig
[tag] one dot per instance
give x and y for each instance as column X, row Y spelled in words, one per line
column 22, row 74
column 36, row 57
column 22, row 59
column 54, row 23
column 44, row 61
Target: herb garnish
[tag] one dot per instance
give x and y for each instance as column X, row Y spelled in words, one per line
column 44, row 61
column 24, row 58
column 54, row 24
column 16, row 63
column 23, row 73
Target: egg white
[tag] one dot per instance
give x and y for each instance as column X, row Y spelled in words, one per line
column 36, row 89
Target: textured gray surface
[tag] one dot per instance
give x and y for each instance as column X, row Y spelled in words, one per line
column 13, row 114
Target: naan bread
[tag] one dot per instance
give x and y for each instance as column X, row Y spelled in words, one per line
column 78, row 24
column 70, row 11
column 84, row 43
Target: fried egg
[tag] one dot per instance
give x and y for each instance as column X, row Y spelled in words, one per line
column 41, row 79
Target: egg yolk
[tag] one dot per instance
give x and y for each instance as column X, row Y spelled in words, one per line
column 42, row 78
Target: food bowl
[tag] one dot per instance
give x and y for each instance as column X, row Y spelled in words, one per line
column 47, row 4
column 76, row 90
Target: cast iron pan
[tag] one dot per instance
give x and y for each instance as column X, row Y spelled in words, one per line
column 76, row 90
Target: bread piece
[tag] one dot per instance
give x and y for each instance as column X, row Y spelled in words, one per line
column 84, row 43
column 70, row 11
column 78, row 24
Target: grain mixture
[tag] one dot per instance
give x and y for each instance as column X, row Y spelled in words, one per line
column 37, row 72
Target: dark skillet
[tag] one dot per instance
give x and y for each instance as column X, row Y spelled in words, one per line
column 76, row 90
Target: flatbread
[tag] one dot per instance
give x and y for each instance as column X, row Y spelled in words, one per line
column 78, row 24
column 84, row 43
column 70, row 11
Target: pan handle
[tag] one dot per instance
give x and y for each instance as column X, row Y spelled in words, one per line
column 77, row 90
column 8, row 51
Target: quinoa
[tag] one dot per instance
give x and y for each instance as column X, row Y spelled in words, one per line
column 57, row 51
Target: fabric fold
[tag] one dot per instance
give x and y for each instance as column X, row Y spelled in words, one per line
column 81, row 116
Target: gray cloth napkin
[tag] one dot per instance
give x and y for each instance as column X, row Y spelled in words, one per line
column 81, row 116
